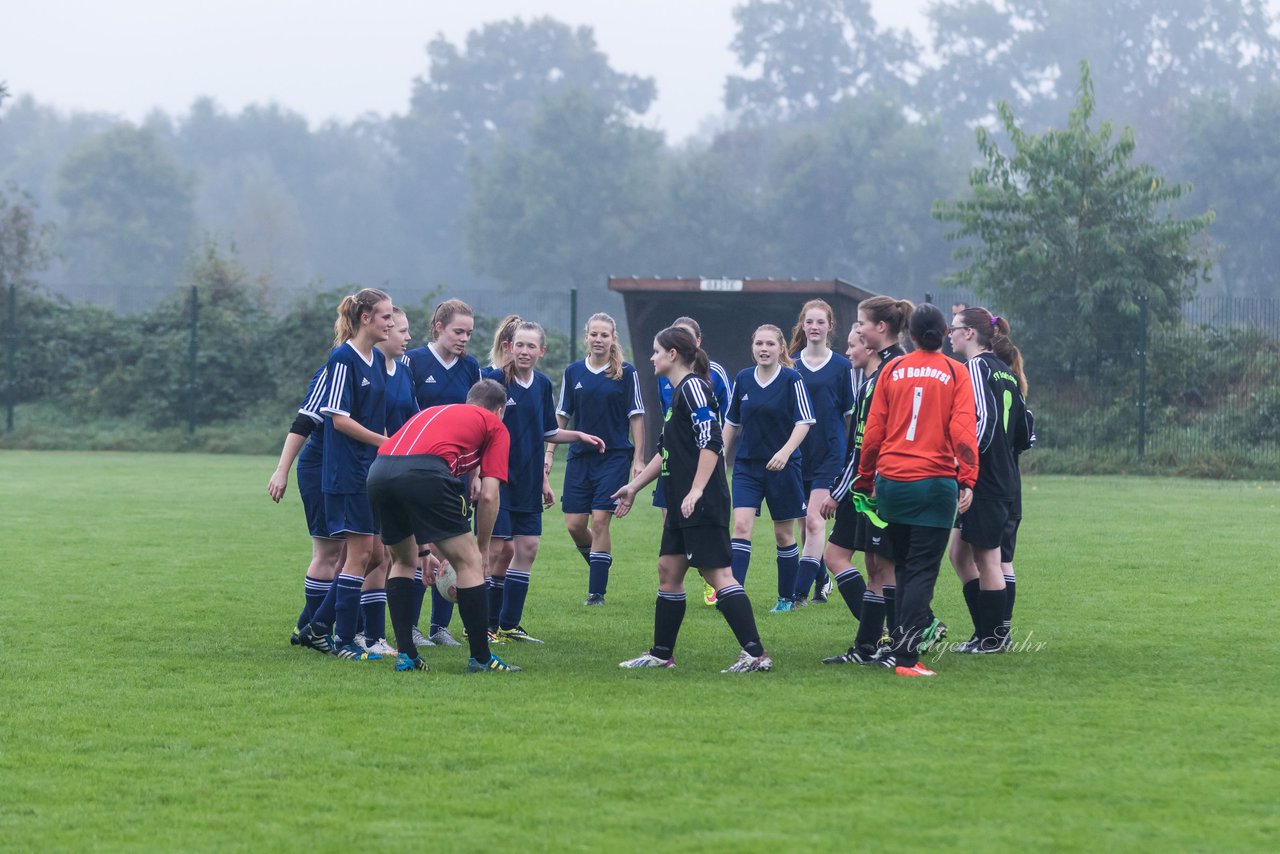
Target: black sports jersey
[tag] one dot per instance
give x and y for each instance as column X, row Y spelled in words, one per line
column 1001, row 413
column 843, row 484
column 1024, row 437
column 693, row 424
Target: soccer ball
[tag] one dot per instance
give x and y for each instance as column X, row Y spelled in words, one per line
column 447, row 582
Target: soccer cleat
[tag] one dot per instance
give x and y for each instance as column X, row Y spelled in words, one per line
column 293, row 638
column 854, row 656
column 882, row 658
column 419, row 639
column 352, row 651
column 594, row 599
column 491, row 634
column 799, row 602
column 320, row 643
column 708, row 593
column 748, row 663
column 516, row 634
column 783, row 606
column 886, row 639
column 917, row 669
column 494, row 665
column 648, row 660
column 933, row 635
column 381, row 647
column 441, row 637
column 405, row 664
column 824, row 589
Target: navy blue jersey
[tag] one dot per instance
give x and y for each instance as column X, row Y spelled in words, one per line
column 600, row 406
column 357, row 389
column 831, row 391
column 767, row 413
column 530, row 419
column 401, row 405
column 720, row 384
column 434, row 384
column 312, row 452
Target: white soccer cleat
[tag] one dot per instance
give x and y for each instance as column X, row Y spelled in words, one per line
column 648, row 660
column 748, row 663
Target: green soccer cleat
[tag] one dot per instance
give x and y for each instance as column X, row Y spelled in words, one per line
column 494, row 665
column 515, row 634
column 935, row 634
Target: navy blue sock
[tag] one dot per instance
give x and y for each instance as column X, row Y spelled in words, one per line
column 513, row 601
column 741, row 559
column 442, row 608
column 788, row 566
column 322, row 619
column 315, row 591
column 890, row 608
column 347, row 607
column 497, row 585
column 373, row 605
column 419, row 594
column 668, row 614
column 599, row 577
column 732, row 602
column 806, row 575
column 852, row 588
column 871, row 627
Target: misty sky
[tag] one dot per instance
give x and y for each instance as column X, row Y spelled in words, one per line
column 330, row 59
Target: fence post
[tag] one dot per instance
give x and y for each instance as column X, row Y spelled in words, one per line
column 1142, row 376
column 573, row 325
column 11, row 361
column 191, row 374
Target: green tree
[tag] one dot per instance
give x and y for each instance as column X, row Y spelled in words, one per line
column 129, row 217
column 1065, row 234
column 26, row 244
column 803, row 56
column 569, row 206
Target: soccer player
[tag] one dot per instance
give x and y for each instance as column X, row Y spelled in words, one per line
column 723, row 388
column 305, row 443
column 696, row 530
column 767, row 420
column 419, row 497
column 828, row 380
column 442, row 373
column 975, row 547
column 601, row 393
column 530, row 419
column 355, row 423
column 501, row 551
column 919, row 454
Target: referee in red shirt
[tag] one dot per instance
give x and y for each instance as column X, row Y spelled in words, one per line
column 418, row 491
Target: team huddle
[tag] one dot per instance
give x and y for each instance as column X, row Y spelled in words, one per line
column 417, row 465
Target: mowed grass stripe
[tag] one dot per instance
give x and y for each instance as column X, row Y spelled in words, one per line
column 151, row 698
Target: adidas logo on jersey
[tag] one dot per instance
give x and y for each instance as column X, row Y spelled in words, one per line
column 428, row 380
column 578, row 386
column 510, row 402
column 364, row 381
column 746, row 397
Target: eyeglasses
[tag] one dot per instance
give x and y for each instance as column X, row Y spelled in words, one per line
column 957, row 329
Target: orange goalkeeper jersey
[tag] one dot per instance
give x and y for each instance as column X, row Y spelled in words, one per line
column 921, row 423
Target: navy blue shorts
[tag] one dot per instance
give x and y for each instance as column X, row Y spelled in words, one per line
column 591, row 479
column 660, row 494
column 348, row 513
column 312, row 500
column 782, row 490
column 514, row 523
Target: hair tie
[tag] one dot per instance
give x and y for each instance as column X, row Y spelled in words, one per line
column 995, row 320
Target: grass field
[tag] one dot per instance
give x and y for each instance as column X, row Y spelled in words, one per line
column 150, row 698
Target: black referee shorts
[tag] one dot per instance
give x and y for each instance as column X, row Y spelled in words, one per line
column 982, row 525
column 417, row 495
column 704, row 546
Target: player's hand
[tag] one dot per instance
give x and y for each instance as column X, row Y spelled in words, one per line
column 596, row 441
column 548, row 494
column 828, row 506
column 475, row 490
column 625, row 498
column 277, row 486
column 778, row 462
column 966, row 498
column 637, row 466
column 690, row 502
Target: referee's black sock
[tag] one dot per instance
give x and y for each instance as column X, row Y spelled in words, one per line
column 970, row 590
column 400, row 598
column 852, row 588
column 668, row 614
column 473, row 603
column 732, row 602
column 991, row 611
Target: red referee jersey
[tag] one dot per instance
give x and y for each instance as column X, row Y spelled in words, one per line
column 464, row 435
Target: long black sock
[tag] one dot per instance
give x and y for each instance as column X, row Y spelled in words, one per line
column 732, row 602
column 891, row 608
column 1010, row 591
column 851, row 587
column 473, row 606
column 400, row 603
column 668, row 614
column 991, row 610
column 870, row 629
column 970, row 590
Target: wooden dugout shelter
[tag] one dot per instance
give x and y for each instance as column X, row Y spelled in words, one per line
column 728, row 310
